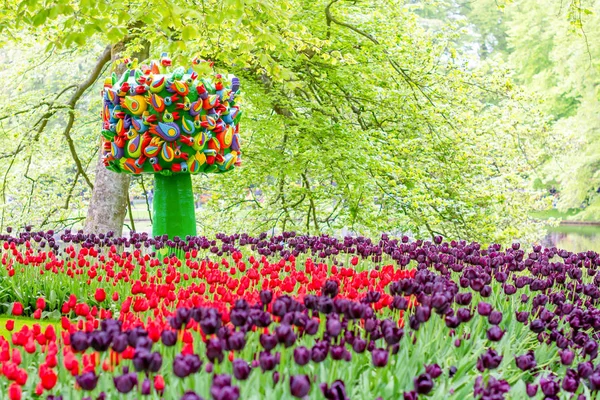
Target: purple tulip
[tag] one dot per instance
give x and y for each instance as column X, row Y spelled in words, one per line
column 302, row 355
column 484, row 309
column 531, row 389
column 299, row 385
column 549, row 386
column 337, row 391
column 566, row 356
column 526, row 361
column 495, row 317
column 423, row 383
column 495, row 334
column 87, row 381
column 433, row 370
column 191, row 396
column 241, row 369
column 380, row 357
column 570, row 382
column 489, row 360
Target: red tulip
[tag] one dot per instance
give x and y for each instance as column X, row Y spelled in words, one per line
column 17, row 308
column 10, row 325
column 37, row 314
column 40, row 303
column 100, row 295
column 48, row 378
column 14, row 392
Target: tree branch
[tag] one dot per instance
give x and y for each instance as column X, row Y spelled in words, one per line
column 81, row 88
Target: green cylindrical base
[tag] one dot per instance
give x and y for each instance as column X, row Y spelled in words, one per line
column 173, row 206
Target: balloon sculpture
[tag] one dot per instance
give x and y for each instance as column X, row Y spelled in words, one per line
column 171, row 122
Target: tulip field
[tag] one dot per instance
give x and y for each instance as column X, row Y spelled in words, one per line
column 289, row 316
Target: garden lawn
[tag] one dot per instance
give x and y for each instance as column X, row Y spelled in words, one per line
column 20, row 322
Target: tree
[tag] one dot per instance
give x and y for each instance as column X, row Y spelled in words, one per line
column 359, row 116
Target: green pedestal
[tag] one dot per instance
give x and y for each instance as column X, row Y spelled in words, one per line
column 173, row 206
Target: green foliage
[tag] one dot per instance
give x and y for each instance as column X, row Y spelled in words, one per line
column 362, row 117
column 553, row 49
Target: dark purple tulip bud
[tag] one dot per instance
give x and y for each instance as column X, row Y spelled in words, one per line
column 221, row 380
column 146, row 387
column 412, row 395
column 120, row 343
column 79, row 341
column 126, row 382
column 181, row 368
column 423, row 383
column 168, row 337
column 522, row 316
column 210, row 367
column 225, row 393
column 531, row 389
column 591, row 348
column 312, row 326
column 484, row 309
column 495, row 334
column 337, row 352
column 463, row 299
column 486, row 291
column 238, row 317
column 337, row 391
column 495, row 317
column 276, row 377
column 570, row 382
column 452, row 371
column 330, row 288
column 422, row 313
column 359, row 345
column 452, row 321
column 585, row 369
column 266, row 296
column 99, row 340
column 464, row 315
column 299, row 385
column 595, row 381
column 524, row 298
column 191, row 396
column 318, row 353
column 526, row 361
column 370, row 324
column 400, row 303
column 566, row 356
column 241, row 369
column 537, row 326
column 87, row 381
column 489, row 360
column 333, row 327
column 268, row 341
column 214, row 350
column 379, row 357
column 210, row 324
column 302, row 355
column 236, row 341
column 267, row 361
column 549, row 386
column 433, row 370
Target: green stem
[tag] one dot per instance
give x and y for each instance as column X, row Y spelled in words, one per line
column 173, row 204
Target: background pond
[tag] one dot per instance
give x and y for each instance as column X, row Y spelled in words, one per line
column 574, row 238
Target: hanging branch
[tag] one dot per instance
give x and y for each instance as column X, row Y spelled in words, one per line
column 81, row 88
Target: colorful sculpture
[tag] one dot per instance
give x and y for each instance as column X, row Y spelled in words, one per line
column 172, row 123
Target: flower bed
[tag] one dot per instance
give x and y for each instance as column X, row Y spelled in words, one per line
column 296, row 317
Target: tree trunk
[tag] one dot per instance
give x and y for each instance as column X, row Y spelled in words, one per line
column 174, row 208
column 110, row 197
